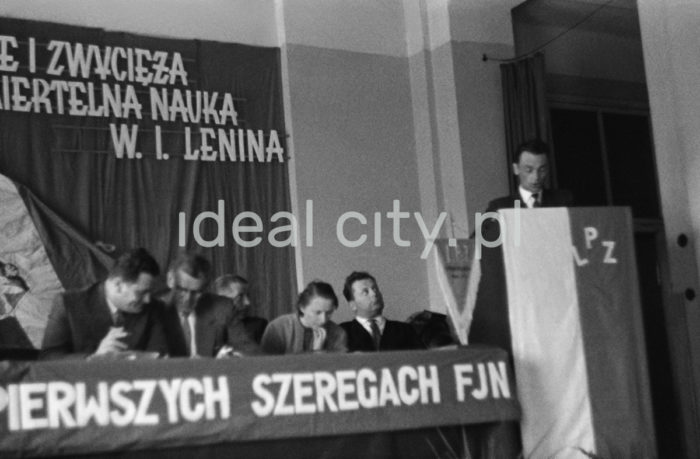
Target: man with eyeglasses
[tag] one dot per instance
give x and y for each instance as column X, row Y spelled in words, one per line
column 197, row 322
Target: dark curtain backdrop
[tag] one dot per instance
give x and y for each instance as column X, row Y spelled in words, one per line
column 69, row 163
column 524, row 105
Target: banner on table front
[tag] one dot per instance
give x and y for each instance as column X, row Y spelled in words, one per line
column 73, row 407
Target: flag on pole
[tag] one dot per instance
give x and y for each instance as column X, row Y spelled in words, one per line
column 40, row 256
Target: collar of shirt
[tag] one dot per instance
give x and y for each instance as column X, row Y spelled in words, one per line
column 526, row 196
column 112, row 308
column 185, row 313
column 381, row 323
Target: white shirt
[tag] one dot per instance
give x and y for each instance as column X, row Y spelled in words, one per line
column 527, row 197
column 381, row 323
column 192, row 321
column 112, row 309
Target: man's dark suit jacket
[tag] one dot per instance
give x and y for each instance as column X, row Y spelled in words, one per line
column 79, row 320
column 550, row 198
column 255, row 327
column 214, row 328
column 396, row 336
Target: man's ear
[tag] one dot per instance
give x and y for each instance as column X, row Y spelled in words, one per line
column 118, row 284
column 170, row 280
column 516, row 169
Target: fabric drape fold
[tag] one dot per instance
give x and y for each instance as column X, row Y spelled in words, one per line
column 524, row 105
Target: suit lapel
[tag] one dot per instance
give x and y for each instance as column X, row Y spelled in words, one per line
column 205, row 328
column 99, row 313
column 364, row 336
column 135, row 324
column 548, row 199
column 176, row 337
column 386, row 334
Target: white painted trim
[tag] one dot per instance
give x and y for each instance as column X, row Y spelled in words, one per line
column 291, row 164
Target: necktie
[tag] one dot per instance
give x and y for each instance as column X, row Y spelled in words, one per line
column 117, row 319
column 186, row 331
column 376, row 333
column 535, row 200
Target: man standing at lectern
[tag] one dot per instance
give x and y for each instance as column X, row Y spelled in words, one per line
column 532, row 169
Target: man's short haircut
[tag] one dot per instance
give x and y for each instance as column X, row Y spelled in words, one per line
column 315, row 289
column 131, row 264
column 351, row 279
column 224, row 281
column 534, row 146
column 192, row 264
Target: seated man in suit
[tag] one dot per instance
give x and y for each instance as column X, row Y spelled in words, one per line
column 532, row 169
column 109, row 317
column 236, row 287
column 370, row 331
column 197, row 322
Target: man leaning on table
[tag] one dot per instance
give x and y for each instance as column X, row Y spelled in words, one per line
column 112, row 318
column 199, row 323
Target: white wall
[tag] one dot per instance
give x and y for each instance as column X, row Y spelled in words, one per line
column 354, row 152
column 670, row 37
column 236, row 21
column 352, row 133
column 362, row 26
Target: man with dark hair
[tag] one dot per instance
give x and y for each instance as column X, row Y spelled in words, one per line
column 532, row 169
column 199, row 323
column 370, row 331
column 109, row 317
column 235, row 287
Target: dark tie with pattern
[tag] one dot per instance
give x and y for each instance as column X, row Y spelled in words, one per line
column 376, row 333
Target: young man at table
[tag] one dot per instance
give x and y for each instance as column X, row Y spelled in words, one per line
column 370, row 330
column 109, row 318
